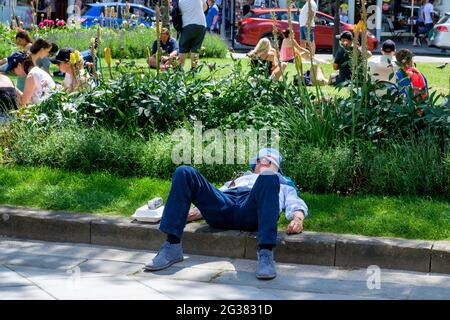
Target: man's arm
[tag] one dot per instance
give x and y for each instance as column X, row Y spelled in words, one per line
column 215, row 18
column 25, row 96
column 296, row 225
column 293, row 203
column 338, row 59
column 296, row 210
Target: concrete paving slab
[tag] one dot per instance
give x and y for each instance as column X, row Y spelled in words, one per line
column 317, row 285
column 110, row 267
column 75, row 250
column 33, row 273
column 107, row 288
column 199, row 277
column 39, row 260
column 430, row 293
column 23, row 293
column 10, row 278
column 176, row 273
column 192, row 290
column 299, row 295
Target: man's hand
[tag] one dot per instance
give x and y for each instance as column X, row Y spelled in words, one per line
column 194, row 214
column 296, row 225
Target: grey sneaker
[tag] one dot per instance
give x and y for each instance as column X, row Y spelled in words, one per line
column 266, row 266
column 167, row 255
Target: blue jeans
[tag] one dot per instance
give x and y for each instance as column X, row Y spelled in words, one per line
column 251, row 210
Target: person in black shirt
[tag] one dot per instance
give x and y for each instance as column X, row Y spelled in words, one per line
column 168, row 47
column 8, row 98
column 343, row 58
column 247, row 7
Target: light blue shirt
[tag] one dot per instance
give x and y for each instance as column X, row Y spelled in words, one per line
column 289, row 200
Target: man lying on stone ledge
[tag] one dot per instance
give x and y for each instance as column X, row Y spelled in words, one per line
column 252, row 202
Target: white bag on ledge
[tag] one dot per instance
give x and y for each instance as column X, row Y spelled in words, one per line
column 144, row 214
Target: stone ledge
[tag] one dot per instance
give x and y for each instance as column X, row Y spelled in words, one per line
column 440, row 257
column 391, row 253
column 307, row 248
column 45, row 225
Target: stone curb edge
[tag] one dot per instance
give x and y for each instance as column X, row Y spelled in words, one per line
column 326, row 249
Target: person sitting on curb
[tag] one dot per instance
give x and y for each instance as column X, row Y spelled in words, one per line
column 252, row 202
column 168, row 48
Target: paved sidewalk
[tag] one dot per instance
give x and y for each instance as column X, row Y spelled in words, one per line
column 43, row 270
column 329, row 58
column 423, row 50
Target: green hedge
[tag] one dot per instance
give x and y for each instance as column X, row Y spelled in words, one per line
column 403, row 168
column 126, row 44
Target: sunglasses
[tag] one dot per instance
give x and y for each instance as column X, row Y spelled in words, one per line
column 264, row 161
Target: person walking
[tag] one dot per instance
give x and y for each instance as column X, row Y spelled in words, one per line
column 427, row 16
column 309, row 8
column 420, row 26
column 193, row 31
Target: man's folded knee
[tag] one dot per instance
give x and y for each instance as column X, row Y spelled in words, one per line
column 271, row 180
column 181, row 170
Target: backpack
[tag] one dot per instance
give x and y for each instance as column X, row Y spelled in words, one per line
column 412, row 77
column 177, row 20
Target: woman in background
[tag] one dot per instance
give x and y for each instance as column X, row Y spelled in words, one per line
column 266, row 55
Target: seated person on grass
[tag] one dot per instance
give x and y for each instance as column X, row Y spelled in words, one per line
column 38, row 83
column 265, row 55
column 409, row 79
column 252, row 202
column 382, row 68
column 75, row 77
column 8, row 98
column 343, row 59
column 168, row 48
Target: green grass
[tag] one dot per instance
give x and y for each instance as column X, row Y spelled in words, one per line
column 412, row 218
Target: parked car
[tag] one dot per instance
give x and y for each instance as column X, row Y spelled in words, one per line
column 139, row 14
column 441, row 34
column 257, row 24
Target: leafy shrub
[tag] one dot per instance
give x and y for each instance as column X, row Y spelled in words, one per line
column 138, row 103
column 125, row 44
column 408, row 168
column 403, row 168
column 78, row 149
column 323, row 170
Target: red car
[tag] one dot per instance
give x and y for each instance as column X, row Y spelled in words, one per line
column 257, row 24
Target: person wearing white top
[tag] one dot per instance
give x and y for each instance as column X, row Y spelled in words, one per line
column 382, row 68
column 193, row 30
column 309, row 7
column 38, row 83
column 427, row 16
